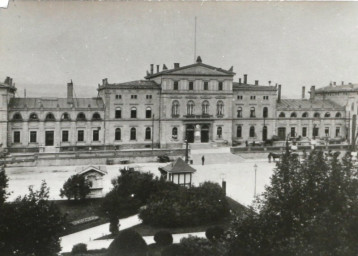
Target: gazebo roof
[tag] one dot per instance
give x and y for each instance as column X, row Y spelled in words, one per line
column 178, row 166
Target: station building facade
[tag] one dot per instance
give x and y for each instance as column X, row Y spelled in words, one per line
column 197, row 103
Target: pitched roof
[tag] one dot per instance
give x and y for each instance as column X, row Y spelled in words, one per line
column 305, row 104
column 100, row 169
column 54, row 103
column 138, row 84
column 178, row 166
column 198, row 64
column 339, row 88
column 252, row 87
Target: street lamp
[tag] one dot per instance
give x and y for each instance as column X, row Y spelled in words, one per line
column 255, row 167
column 223, row 182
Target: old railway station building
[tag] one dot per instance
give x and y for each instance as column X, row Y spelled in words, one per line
column 198, row 103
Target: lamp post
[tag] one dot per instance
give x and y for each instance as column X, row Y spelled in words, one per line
column 223, row 182
column 255, row 168
column 152, row 132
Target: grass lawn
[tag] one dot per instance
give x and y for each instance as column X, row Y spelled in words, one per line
column 147, row 230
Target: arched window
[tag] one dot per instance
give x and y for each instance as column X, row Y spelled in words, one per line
column 205, row 107
column 65, row 117
column 293, row 114
column 33, row 117
column 96, row 116
column 190, row 108
column 118, row 113
column 81, row 117
column 316, row 115
column 118, row 134
column 133, row 112
column 175, row 133
column 305, row 114
column 133, row 135
column 175, row 108
column 327, row 114
column 338, row 114
column 148, row 133
column 265, row 112
column 239, row 112
column 252, row 131
column 50, row 117
column 148, row 112
column 219, row 132
column 252, row 112
column 239, row 131
column 17, row 117
column 220, row 108
column 282, row 114
column 352, row 106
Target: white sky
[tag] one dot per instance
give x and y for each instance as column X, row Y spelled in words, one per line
column 45, row 44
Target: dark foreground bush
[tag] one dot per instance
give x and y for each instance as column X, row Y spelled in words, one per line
column 214, row 233
column 128, row 243
column 79, row 248
column 163, row 238
column 174, row 250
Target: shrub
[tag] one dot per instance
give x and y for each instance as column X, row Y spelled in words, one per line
column 186, row 206
column 214, row 233
column 76, row 187
column 79, row 248
column 195, row 246
column 114, row 225
column 174, row 250
column 128, row 243
column 163, row 238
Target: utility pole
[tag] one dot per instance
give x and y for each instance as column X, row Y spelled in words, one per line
column 186, row 148
column 152, row 132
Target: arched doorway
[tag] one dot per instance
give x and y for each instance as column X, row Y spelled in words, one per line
column 190, row 133
column 264, row 133
column 205, row 133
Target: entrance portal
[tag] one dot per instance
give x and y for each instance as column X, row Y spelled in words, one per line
column 49, row 138
column 190, row 133
column 282, row 133
column 205, row 133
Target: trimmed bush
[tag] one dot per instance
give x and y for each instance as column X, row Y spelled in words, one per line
column 195, row 246
column 79, row 248
column 175, row 250
column 186, row 207
column 163, row 238
column 128, row 243
column 214, row 233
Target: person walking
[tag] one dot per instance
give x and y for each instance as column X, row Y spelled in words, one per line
column 202, row 160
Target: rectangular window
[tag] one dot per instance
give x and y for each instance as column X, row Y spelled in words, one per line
column 206, row 86
column 338, row 131
column 176, row 85
column 191, row 86
column 118, row 113
column 33, row 136
column 64, row 136
column 95, row 136
column 239, row 97
column 304, row 131
column 49, row 138
column 118, row 96
column 148, row 97
column 266, row 97
column 80, row 135
column 252, row 97
column 17, row 137
column 133, row 97
column 326, row 131
column 220, row 86
column 293, row 132
column 315, row 132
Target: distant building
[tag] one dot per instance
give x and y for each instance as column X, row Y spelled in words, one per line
column 198, row 102
column 178, row 172
column 94, row 175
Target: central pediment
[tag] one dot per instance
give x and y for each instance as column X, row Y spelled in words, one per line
column 198, row 70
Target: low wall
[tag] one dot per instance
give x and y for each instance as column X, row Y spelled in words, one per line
column 91, row 157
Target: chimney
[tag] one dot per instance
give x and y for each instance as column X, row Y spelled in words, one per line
column 256, row 82
column 269, row 83
column 70, row 90
column 151, row 69
column 279, row 94
column 165, row 67
column 303, row 92
column 157, row 68
column 313, row 92
column 104, row 81
column 334, row 83
column 10, row 81
column 245, row 79
column 176, row 65
column 342, row 82
column 239, row 80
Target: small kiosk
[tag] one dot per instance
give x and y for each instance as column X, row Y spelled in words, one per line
column 178, row 172
column 93, row 174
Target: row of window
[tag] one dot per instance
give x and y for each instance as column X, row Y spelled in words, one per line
column 50, row 117
column 219, row 132
column 49, row 136
column 133, row 113
column 191, row 86
column 252, row 97
column 252, row 112
column 191, row 105
column 315, row 115
column 133, row 96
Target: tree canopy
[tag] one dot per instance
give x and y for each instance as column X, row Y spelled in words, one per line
column 76, row 187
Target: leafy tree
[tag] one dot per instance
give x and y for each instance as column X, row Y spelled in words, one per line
column 3, row 186
column 31, row 225
column 128, row 243
column 310, row 208
column 114, row 225
column 214, row 233
column 79, row 249
column 76, row 187
column 163, row 238
column 195, row 246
